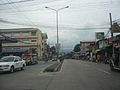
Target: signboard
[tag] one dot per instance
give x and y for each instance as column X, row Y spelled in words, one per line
column 99, row 35
column 116, row 28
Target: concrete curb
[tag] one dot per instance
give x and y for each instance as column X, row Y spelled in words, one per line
column 54, row 67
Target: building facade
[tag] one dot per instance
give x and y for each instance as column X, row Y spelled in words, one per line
column 85, row 46
column 30, row 39
column 87, row 49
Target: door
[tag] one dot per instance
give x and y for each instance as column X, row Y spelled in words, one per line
column 16, row 63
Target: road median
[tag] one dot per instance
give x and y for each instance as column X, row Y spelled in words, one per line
column 54, row 67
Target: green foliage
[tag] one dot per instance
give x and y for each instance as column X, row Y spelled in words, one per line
column 77, row 48
column 53, row 50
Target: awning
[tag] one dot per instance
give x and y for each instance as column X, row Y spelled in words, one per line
column 8, row 40
column 106, row 49
column 14, row 50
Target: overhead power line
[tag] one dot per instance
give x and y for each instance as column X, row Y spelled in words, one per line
column 61, row 28
column 18, row 10
column 107, row 34
column 101, row 4
column 15, row 2
column 117, row 21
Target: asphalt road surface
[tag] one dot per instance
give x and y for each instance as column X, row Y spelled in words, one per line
column 74, row 75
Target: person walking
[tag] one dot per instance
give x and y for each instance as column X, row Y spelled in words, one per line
column 98, row 58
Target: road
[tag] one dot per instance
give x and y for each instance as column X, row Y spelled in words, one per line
column 28, row 79
column 74, row 75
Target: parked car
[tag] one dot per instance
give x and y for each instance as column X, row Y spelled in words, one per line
column 11, row 63
column 54, row 58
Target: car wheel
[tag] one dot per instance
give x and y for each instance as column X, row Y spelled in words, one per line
column 12, row 69
column 23, row 67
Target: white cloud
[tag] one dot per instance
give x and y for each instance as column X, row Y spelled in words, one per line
column 80, row 14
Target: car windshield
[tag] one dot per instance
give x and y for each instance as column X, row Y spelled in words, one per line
column 7, row 59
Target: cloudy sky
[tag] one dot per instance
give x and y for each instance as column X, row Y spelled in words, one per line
column 78, row 22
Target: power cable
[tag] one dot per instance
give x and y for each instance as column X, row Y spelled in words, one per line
column 63, row 28
column 116, row 19
column 17, row 14
column 16, row 8
column 86, row 4
column 107, row 34
column 15, row 2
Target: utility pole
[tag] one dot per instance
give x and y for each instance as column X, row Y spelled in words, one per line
column 111, row 30
column 111, row 25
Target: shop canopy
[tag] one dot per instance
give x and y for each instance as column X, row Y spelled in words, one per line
column 4, row 39
column 14, row 50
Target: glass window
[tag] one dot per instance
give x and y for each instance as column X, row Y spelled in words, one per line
column 19, row 59
column 16, row 34
column 26, row 41
column 33, row 40
column 7, row 59
column 8, row 34
column 26, row 34
column 33, row 33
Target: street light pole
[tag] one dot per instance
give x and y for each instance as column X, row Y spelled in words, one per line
column 57, row 35
column 57, row 10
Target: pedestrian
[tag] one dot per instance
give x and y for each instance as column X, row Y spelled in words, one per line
column 98, row 58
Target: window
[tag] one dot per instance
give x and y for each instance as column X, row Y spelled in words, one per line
column 42, row 49
column 8, row 34
column 33, row 33
column 19, row 59
column 26, row 41
column 33, row 40
column 26, row 34
column 16, row 34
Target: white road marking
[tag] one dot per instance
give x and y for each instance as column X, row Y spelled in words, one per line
column 104, row 71
column 61, row 69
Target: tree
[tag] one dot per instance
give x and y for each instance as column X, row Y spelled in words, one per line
column 53, row 50
column 77, row 48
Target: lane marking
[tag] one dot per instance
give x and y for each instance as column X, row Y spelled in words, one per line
column 61, row 69
column 104, row 71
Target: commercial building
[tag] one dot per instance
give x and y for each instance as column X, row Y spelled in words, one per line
column 87, row 49
column 86, row 46
column 31, row 40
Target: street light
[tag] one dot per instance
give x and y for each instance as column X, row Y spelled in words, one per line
column 56, row 10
